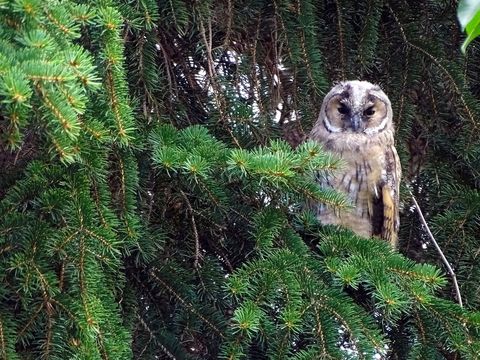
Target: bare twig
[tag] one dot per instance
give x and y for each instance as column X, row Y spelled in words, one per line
column 444, row 259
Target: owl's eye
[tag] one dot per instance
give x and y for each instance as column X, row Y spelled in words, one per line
column 369, row 112
column 343, row 109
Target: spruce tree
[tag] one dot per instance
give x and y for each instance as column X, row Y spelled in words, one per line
column 155, row 171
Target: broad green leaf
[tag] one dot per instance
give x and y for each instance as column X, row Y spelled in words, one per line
column 469, row 17
column 467, row 9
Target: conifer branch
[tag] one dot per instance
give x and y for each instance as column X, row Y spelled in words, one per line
column 67, row 311
column 173, row 12
column 420, row 326
column 103, row 350
column 198, row 255
column 229, row 24
column 402, row 92
column 304, row 52
column 79, row 201
column 2, row 340
column 340, row 40
column 31, row 320
column 219, row 99
column 442, row 255
column 96, row 199
column 113, row 99
column 319, row 332
column 256, row 84
column 439, row 65
column 154, row 338
column 185, row 303
column 48, row 341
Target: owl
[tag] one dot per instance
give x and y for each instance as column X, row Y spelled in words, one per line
column 355, row 123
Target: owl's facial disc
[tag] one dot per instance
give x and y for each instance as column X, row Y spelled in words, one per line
column 356, row 110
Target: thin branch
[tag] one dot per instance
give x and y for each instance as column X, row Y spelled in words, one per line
column 444, row 259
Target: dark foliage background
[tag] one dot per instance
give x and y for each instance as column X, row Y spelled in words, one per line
column 155, row 168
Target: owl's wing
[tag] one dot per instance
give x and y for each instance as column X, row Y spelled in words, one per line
column 390, row 188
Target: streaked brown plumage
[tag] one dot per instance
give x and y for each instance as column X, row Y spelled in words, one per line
column 355, row 122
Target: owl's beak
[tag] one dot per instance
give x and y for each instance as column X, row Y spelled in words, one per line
column 355, row 122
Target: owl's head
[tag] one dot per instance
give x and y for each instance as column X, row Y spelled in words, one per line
column 356, row 107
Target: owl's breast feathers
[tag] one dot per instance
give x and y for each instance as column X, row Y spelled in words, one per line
column 370, row 178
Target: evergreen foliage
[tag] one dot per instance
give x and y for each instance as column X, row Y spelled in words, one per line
column 155, row 172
